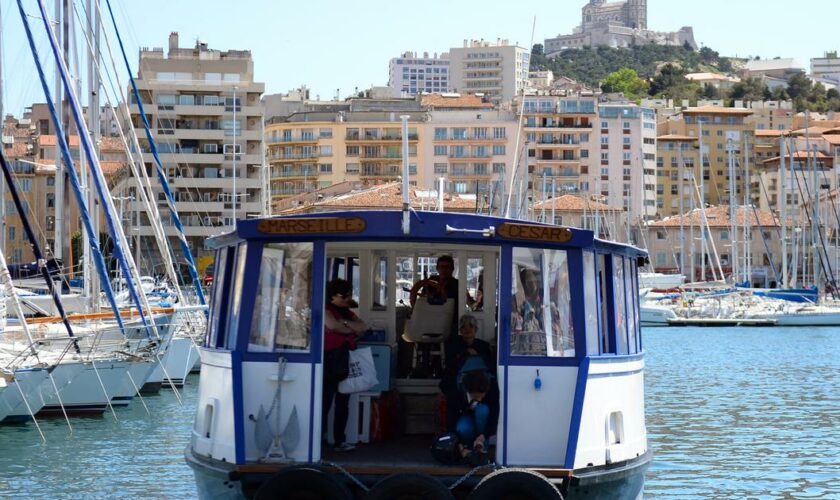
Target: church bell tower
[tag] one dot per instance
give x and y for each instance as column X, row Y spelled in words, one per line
column 637, row 14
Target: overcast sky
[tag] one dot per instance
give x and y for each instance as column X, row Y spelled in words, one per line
column 329, row 45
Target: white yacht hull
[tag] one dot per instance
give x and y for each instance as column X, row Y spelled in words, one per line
column 20, row 391
column 85, row 395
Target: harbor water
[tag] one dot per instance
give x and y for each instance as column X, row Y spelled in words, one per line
column 731, row 413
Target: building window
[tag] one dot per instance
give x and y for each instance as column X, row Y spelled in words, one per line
column 325, row 168
column 440, row 133
column 12, row 233
column 440, row 150
column 352, row 168
column 325, row 133
column 440, row 168
column 498, row 149
column 498, row 168
column 352, row 150
column 499, row 132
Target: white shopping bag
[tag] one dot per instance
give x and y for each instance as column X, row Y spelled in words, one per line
column 362, row 372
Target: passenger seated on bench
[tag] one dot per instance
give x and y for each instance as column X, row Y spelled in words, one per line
column 472, row 427
column 464, row 354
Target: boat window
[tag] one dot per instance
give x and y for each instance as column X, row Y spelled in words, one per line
column 632, row 316
column 216, row 301
column 620, row 305
column 541, row 304
column 379, row 286
column 282, row 312
column 603, row 291
column 475, row 283
column 590, row 303
column 346, row 268
column 236, row 296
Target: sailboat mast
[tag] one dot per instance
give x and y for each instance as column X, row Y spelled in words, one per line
column 702, row 203
column 2, row 129
column 733, row 210
column 91, row 280
column 783, row 202
column 681, row 191
column 61, row 232
column 747, row 252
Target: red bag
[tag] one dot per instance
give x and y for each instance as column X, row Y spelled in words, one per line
column 383, row 417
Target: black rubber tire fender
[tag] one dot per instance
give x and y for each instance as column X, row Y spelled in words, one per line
column 409, row 486
column 303, row 482
column 515, row 484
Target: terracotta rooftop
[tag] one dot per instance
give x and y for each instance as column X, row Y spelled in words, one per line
column 717, row 110
column 389, row 196
column 802, row 155
column 112, row 144
column 461, row 101
column 17, row 150
column 50, row 140
column 111, row 167
column 813, row 130
column 833, row 139
column 572, row 203
column 676, row 137
column 718, row 216
column 770, row 133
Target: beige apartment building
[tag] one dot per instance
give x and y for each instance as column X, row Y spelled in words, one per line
column 203, row 106
column 723, row 129
column 459, row 138
column 677, row 158
column 497, row 70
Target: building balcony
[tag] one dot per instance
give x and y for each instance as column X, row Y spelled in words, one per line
column 558, row 142
column 361, row 137
column 295, row 175
column 470, row 139
column 290, row 158
column 309, row 139
column 470, row 156
column 559, row 126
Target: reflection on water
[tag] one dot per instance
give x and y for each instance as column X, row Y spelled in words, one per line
column 732, row 413
column 743, row 412
column 140, row 456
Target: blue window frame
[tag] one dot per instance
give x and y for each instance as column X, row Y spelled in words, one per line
column 219, row 300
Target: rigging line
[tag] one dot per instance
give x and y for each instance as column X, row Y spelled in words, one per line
column 6, row 279
column 154, row 215
column 99, row 259
column 763, row 239
column 519, row 126
column 159, row 165
column 127, row 265
column 811, row 223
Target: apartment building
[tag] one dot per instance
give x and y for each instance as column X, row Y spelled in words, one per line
column 312, row 150
column 677, row 158
column 827, row 66
column 560, row 138
column 560, row 142
column 770, row 115
column 473, row 152
column 204, row 109
column 627, row 175
column 723, row 130
column 412, row 73
column 498, row 70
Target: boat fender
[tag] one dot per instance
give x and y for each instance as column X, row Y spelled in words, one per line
column 303, row 481
column 515, row 483
column 537, row 381
column 405, row 486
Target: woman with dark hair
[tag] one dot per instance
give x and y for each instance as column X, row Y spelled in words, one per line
column 341, row 331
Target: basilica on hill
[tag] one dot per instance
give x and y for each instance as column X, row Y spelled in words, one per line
column 616, row 24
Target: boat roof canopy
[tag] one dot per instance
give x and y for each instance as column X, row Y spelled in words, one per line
column 443, row 227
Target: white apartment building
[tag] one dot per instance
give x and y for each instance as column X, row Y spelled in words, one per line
column 411, row 74
column 826, row 67
column 498, row 70
column 627, row 153
column 204, row 109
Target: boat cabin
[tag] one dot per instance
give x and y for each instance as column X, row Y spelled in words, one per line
column 558, row 308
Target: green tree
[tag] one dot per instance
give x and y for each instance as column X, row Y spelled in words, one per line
column 537, row 49
column 749, row 89
column 672, row 83
column 626, row 81
column 799, row 86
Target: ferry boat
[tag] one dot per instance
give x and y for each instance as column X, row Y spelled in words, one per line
column 571, row 413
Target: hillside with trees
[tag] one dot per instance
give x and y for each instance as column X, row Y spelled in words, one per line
column 659, row 71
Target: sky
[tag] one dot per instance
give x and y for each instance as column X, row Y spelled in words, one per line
column 337, row 46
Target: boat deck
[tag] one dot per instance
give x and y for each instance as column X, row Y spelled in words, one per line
column 407, row 451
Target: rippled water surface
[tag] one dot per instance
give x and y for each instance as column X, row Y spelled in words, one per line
column 731, row 413
column 743, row 412
column 139, row 456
